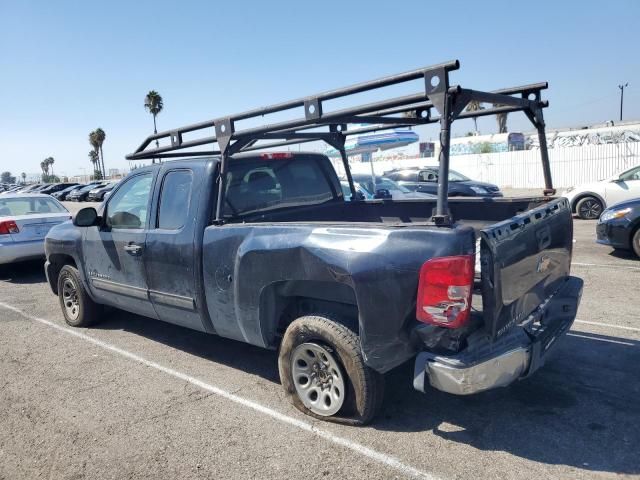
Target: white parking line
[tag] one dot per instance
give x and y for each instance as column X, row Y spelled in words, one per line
column 609, row 325
column 607, row 340
column 604, row 265
column 379, row 457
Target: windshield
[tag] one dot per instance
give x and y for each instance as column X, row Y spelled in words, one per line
column 384, row 184
column 29, row 206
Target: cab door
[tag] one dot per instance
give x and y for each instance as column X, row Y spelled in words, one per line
column 113, row 253
column 172, row 258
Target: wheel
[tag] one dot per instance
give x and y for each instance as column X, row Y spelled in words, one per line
column 589, row 208
column 635, row 242
column 78, row 308
column 323, row 372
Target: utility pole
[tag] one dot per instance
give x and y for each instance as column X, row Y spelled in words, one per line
column 622, row 87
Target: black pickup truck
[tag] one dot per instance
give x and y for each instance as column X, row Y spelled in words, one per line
column 262, row 247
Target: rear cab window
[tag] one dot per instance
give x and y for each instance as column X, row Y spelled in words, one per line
column 254, row 185
column 175, row 200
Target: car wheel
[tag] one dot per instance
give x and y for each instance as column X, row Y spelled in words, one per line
column 323, row 372
column 589, row 208
column 635, row 242
column 78, row 308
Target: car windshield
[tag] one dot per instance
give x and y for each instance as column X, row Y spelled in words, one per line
column 29, row 206
column 382, row 183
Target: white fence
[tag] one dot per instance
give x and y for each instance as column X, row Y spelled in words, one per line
column 523, row 169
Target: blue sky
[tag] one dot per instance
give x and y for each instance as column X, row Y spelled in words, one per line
column 69, row 67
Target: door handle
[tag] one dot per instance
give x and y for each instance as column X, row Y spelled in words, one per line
column 133, row 249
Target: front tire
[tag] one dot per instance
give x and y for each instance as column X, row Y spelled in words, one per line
column 589, row 208
column 323, row 372
column 78, row 308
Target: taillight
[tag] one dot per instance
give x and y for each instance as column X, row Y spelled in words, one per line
column 276, row 155
column 8, row 226
column 444, row 291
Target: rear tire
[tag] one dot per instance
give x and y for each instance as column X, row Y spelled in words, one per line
column 318, row 357
column 635, row 242
column 589, row 208
column 78, row 308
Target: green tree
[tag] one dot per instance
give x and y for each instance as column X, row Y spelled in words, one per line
column 154, row 104
column 6, row 177
column 474, row 106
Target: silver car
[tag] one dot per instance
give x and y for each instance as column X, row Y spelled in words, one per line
column 25, row 219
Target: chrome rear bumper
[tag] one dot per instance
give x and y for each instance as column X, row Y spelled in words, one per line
column 519, row 353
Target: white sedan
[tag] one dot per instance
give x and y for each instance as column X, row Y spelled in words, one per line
column 590, row 199
column 25, row 219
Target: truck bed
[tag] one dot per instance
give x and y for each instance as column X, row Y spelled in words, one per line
column 476, row 212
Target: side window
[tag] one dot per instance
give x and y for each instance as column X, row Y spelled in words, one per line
column 631, row 175
column 428, row 176
column 175, row 198
column 127, row 208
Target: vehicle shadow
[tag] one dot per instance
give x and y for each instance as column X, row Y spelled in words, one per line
column 245, row 357
column 623, row 254
column 26, row 273
column 581, row 409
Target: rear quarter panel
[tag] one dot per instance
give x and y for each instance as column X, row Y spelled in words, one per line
column 378, row 264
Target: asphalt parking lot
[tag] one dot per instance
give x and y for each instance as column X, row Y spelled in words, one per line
column 134, row 398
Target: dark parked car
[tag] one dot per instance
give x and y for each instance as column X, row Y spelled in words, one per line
column 81, row 194
column 619, row 226
column 98, row 193
column 426, row 180
column 57, row 187
column 62, row 194
column 386, row 188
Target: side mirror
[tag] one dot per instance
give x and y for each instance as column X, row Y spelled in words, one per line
column 383, row 193
column 86, row 217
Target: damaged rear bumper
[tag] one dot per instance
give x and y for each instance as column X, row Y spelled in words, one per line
column 517, row 354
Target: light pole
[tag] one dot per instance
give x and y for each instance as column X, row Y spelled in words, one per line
column 622, row 87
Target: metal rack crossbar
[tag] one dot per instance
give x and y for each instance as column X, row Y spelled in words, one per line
column 438, row 102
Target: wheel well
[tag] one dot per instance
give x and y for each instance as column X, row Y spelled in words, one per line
column 574, row 202
column 56, row 262
column 283, row 302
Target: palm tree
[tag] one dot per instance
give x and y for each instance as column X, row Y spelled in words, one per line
column 501, row 118
column 154, row 104
column 100, row 138
column 96, row 139
column 44, row 166
column 93, row 141
column 474, row 106
column 50, row 161
column 94, row 159
column 24, row 177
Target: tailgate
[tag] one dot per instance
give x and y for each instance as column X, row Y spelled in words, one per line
column 524, row 260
